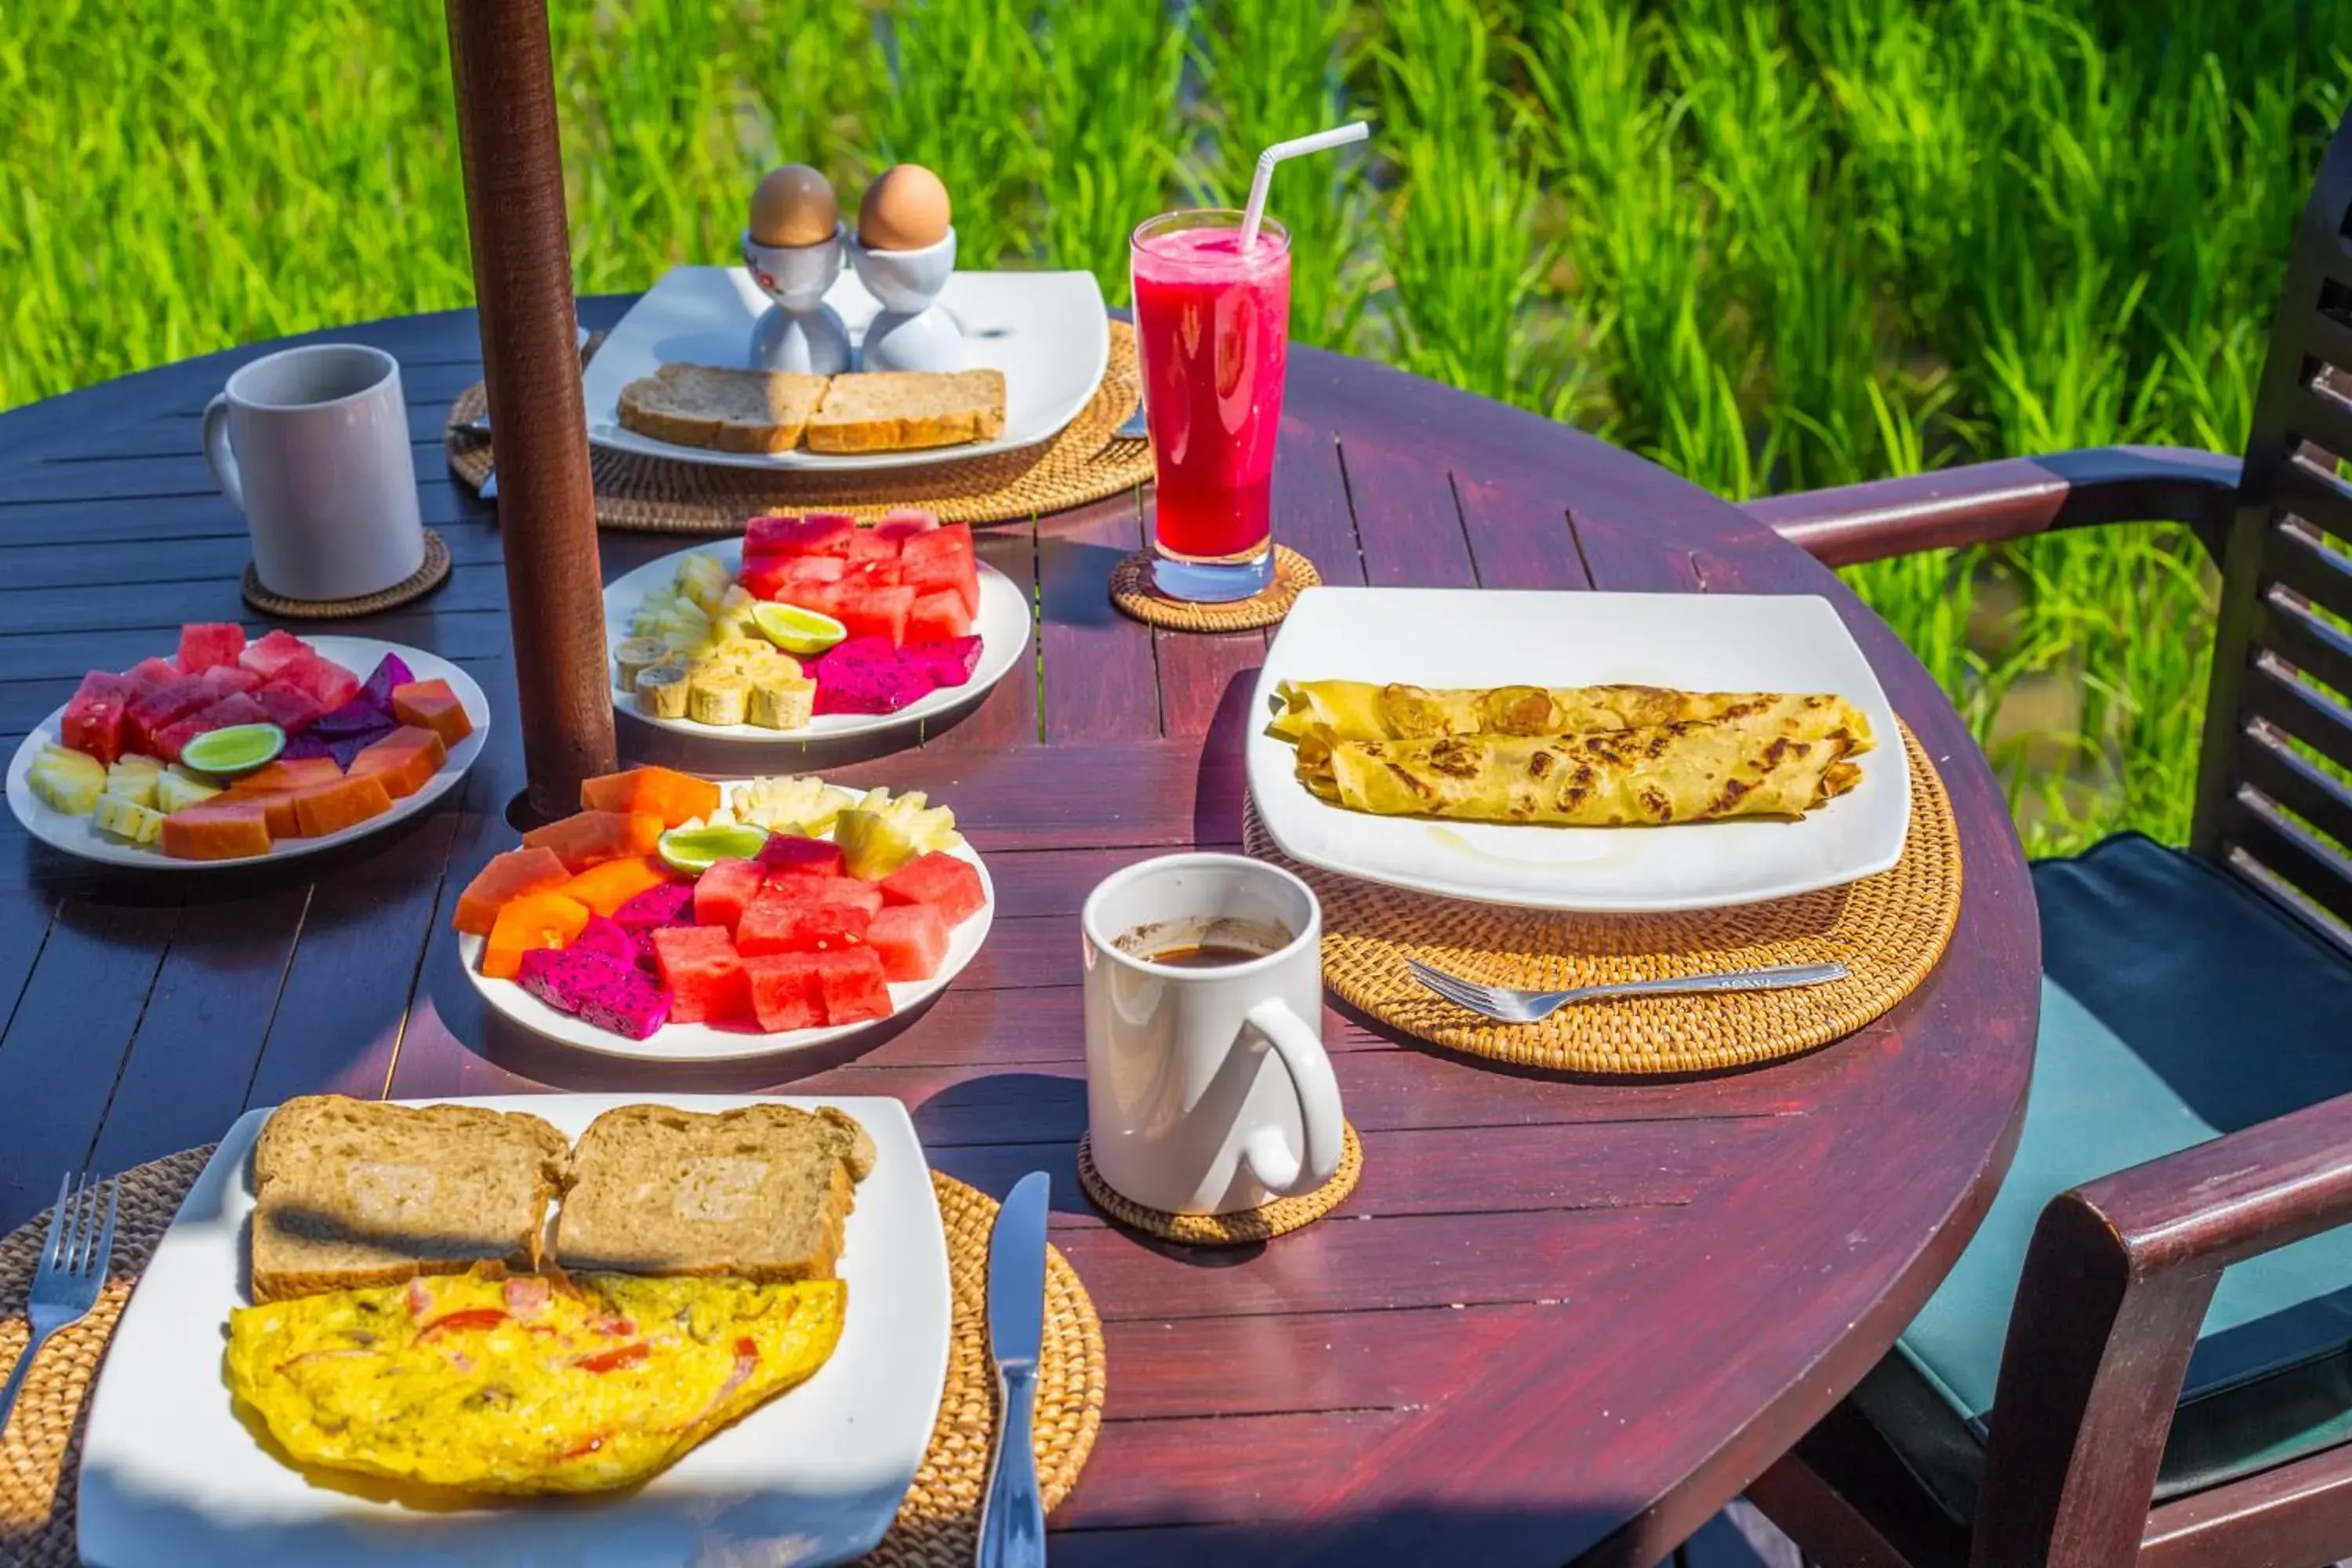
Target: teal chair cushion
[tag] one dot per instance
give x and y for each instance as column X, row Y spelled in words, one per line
column 2177, row 1005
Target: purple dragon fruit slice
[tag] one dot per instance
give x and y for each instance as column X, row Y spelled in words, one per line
column 565, row 979
column 949, row 660
column 872, row 688
column 300, row 746
column 605, row 939
column 671, row 904
column 629, row 1003
column 390, row 671
column 356, row 718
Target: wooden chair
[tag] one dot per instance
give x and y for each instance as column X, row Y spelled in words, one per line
column 2091, row 1389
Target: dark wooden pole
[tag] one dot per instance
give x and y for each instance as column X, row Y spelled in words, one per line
column 505, row 78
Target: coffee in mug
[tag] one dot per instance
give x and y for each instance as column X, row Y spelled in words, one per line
column 1204, row 943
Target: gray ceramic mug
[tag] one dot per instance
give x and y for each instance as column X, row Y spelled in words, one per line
column 311, row 445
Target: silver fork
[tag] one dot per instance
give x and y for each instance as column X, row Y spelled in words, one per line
column 1506, row 1005
column 72, row 1268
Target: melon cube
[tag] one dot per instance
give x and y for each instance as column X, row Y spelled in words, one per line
column 723, row 891
column 937, row 616
column 150, row 673
column 328, row 683
column 506, row 878
column 872, row 544
column 911, row 940
column 236, row 708
column 776, row 921
column 821, row 533
column 205, row 644
column 704, row 973
column 93, row 717
column 852, row 986
column 939, row 879
column 905, row 522
column 789, row 852
column 846, row 890
column 289, row 707
column 784, row 991
column 162, row 708
column 272, row 653
column 874, row 612
column 952, row 543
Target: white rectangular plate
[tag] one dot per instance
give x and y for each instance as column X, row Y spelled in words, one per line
column 170, row 1475
column 1698, row 642
column 1046, row 331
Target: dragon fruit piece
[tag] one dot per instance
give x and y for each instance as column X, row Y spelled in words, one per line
column 357, row 717
column 300, row 746
column 949, row 660
column 871, row 684
column 605, row 939
column 671, row 904
column 630, row 1002
column 562, row 978
column 390, row 671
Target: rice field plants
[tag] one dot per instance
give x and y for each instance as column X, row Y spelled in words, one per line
column 1771, row 245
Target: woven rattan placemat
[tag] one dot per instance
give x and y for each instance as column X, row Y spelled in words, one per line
column 938, row 1524
column 1085, row 463
column 1134, row 592
column 1279, row 1217
column 416, row 586
column 1888, row 931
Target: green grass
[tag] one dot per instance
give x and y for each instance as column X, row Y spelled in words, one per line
column 1770, row 245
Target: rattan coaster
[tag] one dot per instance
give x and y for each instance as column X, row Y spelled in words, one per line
column 1085, row 463
column 938, row 1524
column 416, row 586
column 1133, row 591
column 1277, row 1218
column 1888, row 930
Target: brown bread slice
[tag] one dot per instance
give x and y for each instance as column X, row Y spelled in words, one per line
column 761, row 1190
column 731, row 410
column 349, row 1193
column 897, row 411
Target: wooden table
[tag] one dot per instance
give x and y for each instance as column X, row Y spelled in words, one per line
column 1559, row 1316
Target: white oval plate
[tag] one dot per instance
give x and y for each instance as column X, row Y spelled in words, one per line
column 79, row 835
column 707, row 1043
column 1003, row 625
column 1046, row 331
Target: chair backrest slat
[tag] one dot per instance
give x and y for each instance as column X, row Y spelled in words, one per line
column 2275, row 778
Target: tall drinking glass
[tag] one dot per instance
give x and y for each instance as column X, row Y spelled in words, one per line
column 1213, row 327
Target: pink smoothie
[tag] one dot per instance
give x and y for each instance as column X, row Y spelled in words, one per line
column 1214, row 329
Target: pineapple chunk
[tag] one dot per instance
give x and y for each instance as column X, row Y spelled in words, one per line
column 132, row 778
column 127, row 820
column 66, row 781
column 882, row 832
column 702, row 580
column 783, row 805
column 178, row 790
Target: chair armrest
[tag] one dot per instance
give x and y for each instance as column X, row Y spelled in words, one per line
column 1983, row 503
column 2116, row 1284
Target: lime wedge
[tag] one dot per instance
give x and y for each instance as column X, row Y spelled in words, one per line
column 240, row 749
column 693, row 849
column 796, row 630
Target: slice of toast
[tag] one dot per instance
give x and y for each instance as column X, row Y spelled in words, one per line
column 760, row 1192
column 898, row 411
column 350, row 1193
column 731, row 410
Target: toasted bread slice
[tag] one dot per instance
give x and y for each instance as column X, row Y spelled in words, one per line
column 732, row 410
column 898, row 411
column 760, row 1192
column 349, row 1193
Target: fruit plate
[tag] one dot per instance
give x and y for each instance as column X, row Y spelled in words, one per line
column 1699, row 642
column 1046, row 331
column 1003, row 627
column 78, row 835
column 711, row 1042
column 171, row 1476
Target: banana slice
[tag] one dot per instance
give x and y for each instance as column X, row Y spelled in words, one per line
column 636, row 655
column 716, row 695
column 781, row 702
column 661, row 691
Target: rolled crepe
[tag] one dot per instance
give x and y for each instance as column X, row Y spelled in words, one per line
column 1360, row 711
column 1689, row 772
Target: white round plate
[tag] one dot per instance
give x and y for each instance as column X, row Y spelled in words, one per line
column 1003, row 627
column 707, row 1042
column 78, row 835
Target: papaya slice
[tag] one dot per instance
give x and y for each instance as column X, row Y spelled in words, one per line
column 331, row 807
column 671, row 795
column 404, row 760
column 526, row 924
column 591, row 838
column 508, row 877
column 217, row 830
column 605, row 887
column 431, row 705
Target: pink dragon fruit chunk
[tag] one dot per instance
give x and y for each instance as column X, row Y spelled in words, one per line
column 605, row 939
column 614, row 996
column 632, row 1004
column 867, row 675
column 671, row 904
column 563, row 978
column 949, row 660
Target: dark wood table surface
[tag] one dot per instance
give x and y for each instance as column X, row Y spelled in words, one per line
column 1559, row 1316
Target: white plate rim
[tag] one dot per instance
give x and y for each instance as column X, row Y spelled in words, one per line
column 886, row 1117
column 999, row 656
column 55, row 828
column 605, row 428
column 1267, row 762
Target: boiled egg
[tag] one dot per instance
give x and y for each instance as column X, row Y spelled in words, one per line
column 795, row 205
column 905, row 209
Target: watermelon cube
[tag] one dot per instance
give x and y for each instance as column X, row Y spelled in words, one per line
column 166, row 705
column 875, row 612
column 846, row 890
column 150, row 673
column 289, row 707
column 272, row 653
column 777, row 921
column 871, row 544
column 905, row 522
column 911, row 940
column 787, row 577
column 205, row 644
column 236, row 708
column 328, row 683
column 704, row 973
column 784, row 993
column 937, row 616
column 939, row 879
column 820, row 533
column 721, row 892
column 93, row 718
column 852, row 986
column 791, row 852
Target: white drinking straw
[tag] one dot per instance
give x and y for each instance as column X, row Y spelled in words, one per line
column 1322, row 141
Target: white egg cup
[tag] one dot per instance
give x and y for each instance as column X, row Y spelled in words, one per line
column 800, row 332
column 913, row 331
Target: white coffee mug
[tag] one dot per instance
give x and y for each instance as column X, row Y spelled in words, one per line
column 312, row 444
column 1208, row 1090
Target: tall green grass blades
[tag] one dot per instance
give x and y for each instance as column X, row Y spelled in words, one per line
column 1108, row 112
column 964, row 75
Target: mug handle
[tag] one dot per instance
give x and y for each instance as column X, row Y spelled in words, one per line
column 219, row 454
column 1269, row 1160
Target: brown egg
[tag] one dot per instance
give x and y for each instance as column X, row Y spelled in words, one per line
column 795, row 205
column 905, row 209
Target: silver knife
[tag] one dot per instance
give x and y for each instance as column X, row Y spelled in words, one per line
column 1011, row 1514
